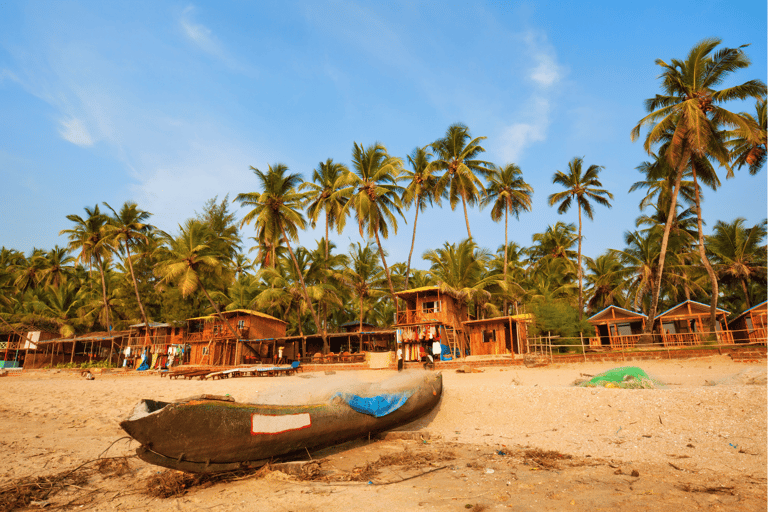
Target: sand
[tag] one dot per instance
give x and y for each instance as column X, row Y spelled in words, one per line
column 705, row 427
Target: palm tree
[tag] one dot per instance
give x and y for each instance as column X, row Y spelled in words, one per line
column 56, row 267
column 457, row 153
column 420, row 191
column 739, row 253
column 327, row 196
column 89, row 236
column 375, row 195
column 689, row 108
column 186, row 259
column 508, row 192
column 748, row 143
column 582, row 188
column 365, row 277
column 606, row 279
column 126, row 228
column 277, row 210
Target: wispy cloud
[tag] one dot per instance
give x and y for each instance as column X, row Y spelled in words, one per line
column 534, row 119
column 205, row 39
column 74, row 131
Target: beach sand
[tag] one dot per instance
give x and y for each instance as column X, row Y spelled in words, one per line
column 698, row 442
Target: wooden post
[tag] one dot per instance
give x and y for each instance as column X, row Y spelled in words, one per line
column 583, row 350
column 549, row 343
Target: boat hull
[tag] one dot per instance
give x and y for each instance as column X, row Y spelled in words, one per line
column 210, row 435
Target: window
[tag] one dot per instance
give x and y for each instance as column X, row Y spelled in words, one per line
column 241, row 324
column 205, row 351
column 624, row 329
column 669, row 327
column 215, row 329
column 489, row 336
column 430, row 307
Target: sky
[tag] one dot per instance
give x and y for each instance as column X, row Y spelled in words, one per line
column 169, row 104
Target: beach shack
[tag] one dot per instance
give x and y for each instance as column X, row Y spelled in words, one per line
column 157, row 343
column 616, row 327
column 750, row 326
column 245, row 336
column 430, row 314
column 15, row 345
column 93, row 346
column 684, row 325
column 500, row 335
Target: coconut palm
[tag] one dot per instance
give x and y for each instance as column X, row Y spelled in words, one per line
column 186, row 259
column 277, row 211
column 456, row 154
column 748, row 143
column 89, row 236
column 508, row 193
column 739, row 253
column 375, row 195
column 365, row 277
column 606, row 280
column 582, row 188
column 690, row 109
column 56, row 267
column 126, row 228
column 419, row 191
column 27, row 272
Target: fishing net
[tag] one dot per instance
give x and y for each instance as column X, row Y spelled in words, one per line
column 626, row 377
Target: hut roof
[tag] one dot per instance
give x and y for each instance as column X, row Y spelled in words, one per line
column 525, row 317
column 762, row 304
column 597, row 315
column 232, row 312
column 697, row 305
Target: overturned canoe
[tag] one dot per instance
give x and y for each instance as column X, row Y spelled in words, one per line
column 209, row 434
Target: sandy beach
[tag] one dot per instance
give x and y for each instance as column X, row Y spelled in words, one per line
column 698, row 442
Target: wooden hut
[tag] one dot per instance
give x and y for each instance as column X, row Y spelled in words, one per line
column 157, row 343
column 616, row 327
column 750, row 326
column 211, row 341
column 500, row 335
column 16, row 345
column 430, row 314
column 683, row 325
column 93, row 346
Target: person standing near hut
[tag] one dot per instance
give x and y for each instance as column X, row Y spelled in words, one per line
column 436, row 349
column 399, row 358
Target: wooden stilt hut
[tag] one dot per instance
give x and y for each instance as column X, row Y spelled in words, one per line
column 616, row 327
column 500, row 335
column 750, row 326
column 683, row 325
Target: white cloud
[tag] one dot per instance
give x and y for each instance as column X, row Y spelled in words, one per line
column 206, row 40
column 515, row 138
column 546, row 71
column 74, row 131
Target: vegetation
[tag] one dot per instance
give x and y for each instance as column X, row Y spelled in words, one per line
column 118, row 269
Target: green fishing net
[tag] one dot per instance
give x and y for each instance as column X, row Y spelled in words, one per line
column 626, row 377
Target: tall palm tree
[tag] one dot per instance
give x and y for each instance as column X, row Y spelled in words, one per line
column 277, row 210
column 508, row 192
column 419, row 191
column 739, row 253
column 690, row 109
column 456, row 153
column 583, row 188
column 375, row 195
column 126, row 228
column 89, row 236
column 327, row 196
column 606, row 279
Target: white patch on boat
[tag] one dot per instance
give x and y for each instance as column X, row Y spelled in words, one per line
column 277, row 424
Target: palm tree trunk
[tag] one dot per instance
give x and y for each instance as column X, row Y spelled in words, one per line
column 304, row 290
column 581, row 297
column 136, row 287
column 746, row 293
column 466, row 217
column 106, row 303
column 413, row 242
column 704, row 259
column 664, row 242
column 325, row 278
column 386, row 268
column 360, row 332
column 506, row 245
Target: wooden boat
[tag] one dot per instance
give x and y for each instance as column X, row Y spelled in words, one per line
column 209, row 434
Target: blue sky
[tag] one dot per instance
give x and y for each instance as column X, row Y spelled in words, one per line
column 168, row 104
